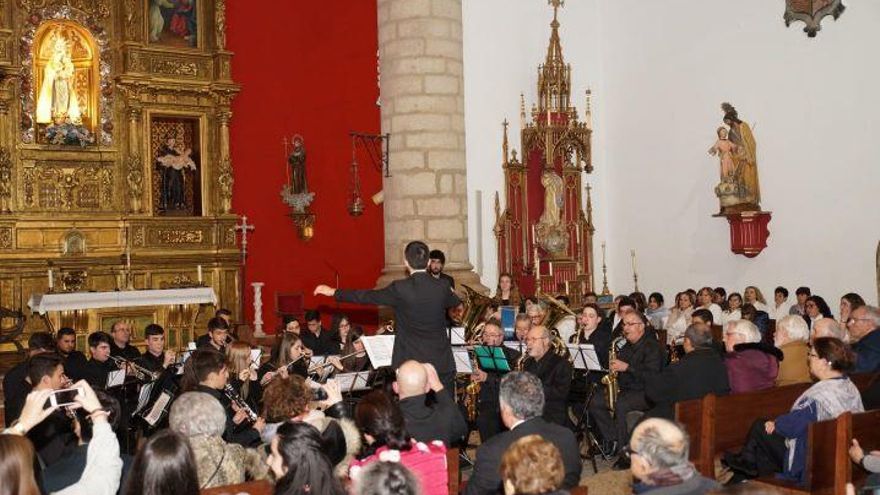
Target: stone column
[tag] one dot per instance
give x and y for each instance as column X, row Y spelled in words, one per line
column 422, row 97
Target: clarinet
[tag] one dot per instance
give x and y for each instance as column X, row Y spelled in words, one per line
column 238, row 401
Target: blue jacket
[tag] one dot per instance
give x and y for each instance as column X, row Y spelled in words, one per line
column 868, row 352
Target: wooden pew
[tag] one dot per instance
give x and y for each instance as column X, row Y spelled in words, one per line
column 453, row 472
column 578, row 490
column 865, row 429
column 250, row 488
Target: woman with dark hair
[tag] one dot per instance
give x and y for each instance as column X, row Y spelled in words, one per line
column 641, row 302
column 299, row 463
column 381, row 422
column 815, row 309
column 359, row 361
column 734, row 309
column 288, row 357
column 848, row 303
column 340, row 328
column 656, row 312
column 17, row 466
column 779, row 445
column 165, row 464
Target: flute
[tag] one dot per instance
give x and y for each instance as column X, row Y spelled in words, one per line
column 328, row 363
column 286, row 366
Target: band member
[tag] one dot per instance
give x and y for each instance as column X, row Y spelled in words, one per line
column 243, row 374
column 489, row 412
column 553, row 371
column 15, row 382
column 360, row 361
column 216, row 338
column 156, row 358
column 225, row 314
column 320, row 341
column 74, row 361
column 206, row 371
column 54, row 437
column 594, row 330
column 289, row 358
column 97, row 369
column 120, row 345
column 419, row 302
column 437, row 260
column 640, row 357
column 521, row 327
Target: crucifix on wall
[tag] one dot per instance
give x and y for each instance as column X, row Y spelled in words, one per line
column 243, row 228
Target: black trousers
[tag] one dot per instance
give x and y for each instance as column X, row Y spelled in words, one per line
column 616, row 428
column 762, row 455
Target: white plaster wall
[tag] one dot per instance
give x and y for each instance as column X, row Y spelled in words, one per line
column 659, row 71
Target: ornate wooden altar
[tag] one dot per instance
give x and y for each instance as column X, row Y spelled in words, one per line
column 114, row 151
column 544, row 235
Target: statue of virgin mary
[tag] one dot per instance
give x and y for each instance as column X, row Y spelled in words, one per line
column 57, row 101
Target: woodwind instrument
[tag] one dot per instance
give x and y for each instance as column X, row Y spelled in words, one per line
column 612, row 389
column 240, row 402
column 472, row 391
column 286, row 366
column 328, row 363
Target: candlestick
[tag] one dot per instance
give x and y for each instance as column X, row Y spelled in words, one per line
column 632, row 253
column 605, row 291
column 635, row 273
column 51, row 280
column 200, row 273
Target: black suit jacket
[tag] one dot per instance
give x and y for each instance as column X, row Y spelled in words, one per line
column 74, row 365
column 447, row 278
column 419, row 302
column 15, row 390
column 321, row 345
column 129, row 352
column 485, row 479
column 555, row 375
column 441, row 420
column 696, row 375
column 645, row 358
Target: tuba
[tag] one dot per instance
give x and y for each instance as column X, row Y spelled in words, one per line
column 475, row 305
column 556, row 311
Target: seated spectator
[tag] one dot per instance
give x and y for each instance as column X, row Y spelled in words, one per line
column 849, row 302
column 441, row 420
column 532, row 466
column 702, row 317
column 704, row 300
column 799, row 307
column 734, row 309
column 103, row 468
column 780, row 306
column 816, row 308
column 299, row 464
column 17, row 466
column 869, row 462
column 719, row 297
column 759, row 318
column 679, row 318
column 381, row 422
column 522, row 403
column 700, row 372
column 387, row 478
column 656, row 312
column 752, row 295
column 659, row 452
column 792, row 338
column 751, row 364
column 828, row 327
column 863, row 325
column 201, row 419
column 780, row 445
column 289, row 399
column 164, row 465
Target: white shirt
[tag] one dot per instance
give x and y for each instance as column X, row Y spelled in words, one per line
column 716, row 312
column 780, row 311
column 103, row 470
column 729, row 316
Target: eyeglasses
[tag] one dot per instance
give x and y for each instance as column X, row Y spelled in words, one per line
column 632, row 323
column 853, row 319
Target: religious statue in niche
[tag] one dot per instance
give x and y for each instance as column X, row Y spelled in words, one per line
column 296, row 192
column 735, row 147
column 173, row 22
column 66, row 84
column 550, row 231
column 176, row 183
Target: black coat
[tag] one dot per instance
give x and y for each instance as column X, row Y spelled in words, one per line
column 15, row 390
column 490, row 388
column 555, row 375
column 696, row 375
column 645, row 358
column 485, row 479
column 321, row 345
column 441, row 420
column 74, row 365
column 129, row 352
column 96, row 372
column 420, row 302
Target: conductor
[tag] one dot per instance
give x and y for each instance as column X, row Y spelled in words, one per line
column 420, row 302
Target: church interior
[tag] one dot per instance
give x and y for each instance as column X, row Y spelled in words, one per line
column 653, row 219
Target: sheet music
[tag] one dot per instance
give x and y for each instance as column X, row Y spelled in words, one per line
column 463, row 363
column 256, row 355
column 379, row 348
column 157, row 409
column 515, row 345
column 585, row 357
column 115, row 378
column 350, row 382
column 456, row 336
column 144, row 396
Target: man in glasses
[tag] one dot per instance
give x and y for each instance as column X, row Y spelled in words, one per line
column 553, row 371
column 863, row 326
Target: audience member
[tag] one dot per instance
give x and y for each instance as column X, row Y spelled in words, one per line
column 704, row 300
column 656, row 312
column 381, row 422
column 816, row 308
column 387, row 478
column 659, row 450
column 165, row 465
column 849, row 302
column 780, row 445
column 679, row 318
column 752, row 295
column 799, row 307
column 522, row 403
column 720, row 297
column 780, row 307
column 870, row 462
column 751, row 364
column 863, row 325
column 640, row 300
column 734, row 309
column 532, row 466
column 15, row 383
column 760, row 318
column 828, row 327
column 200, row 418
column 439, row 420
column 792, row 337
column 17, row 466
column 299, row 464
column 699, row 372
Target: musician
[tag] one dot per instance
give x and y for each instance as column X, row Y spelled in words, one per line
column 120, row 345
column 553, row 371
column 320, row 341
column 74, row 361
column 359, row 361
column 98, row 368
column 567, row 325
column 594, row 330
column 217, row 336
column 156, row 358
column 225, row 314
column 53, row 438
column 289, row 357
column 16, row 386
column 206, row 371
column 521, row 327
column 243, row 374
column 489, row 411
column 536, row 313
column 625, row 305
column 507, row 293
column 640, row 357
column 340, row 329
column 419, row 302
column 435, row 267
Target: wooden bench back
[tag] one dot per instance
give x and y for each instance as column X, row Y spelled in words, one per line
column 250, row 488
column 865, row 429
column 452, row 471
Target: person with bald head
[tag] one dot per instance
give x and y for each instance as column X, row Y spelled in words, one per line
column 828, row 327
column 659, row 452
column 440, row 419
column 553, row 371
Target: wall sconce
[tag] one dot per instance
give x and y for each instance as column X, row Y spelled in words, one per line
column 295, row 193
column 377, row 149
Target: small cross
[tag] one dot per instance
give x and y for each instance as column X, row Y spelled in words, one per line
column 244, row 227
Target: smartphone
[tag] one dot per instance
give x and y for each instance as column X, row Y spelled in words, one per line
column 64, row 397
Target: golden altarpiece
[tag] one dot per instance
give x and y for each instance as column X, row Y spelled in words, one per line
column 543, row 234
column 115, row 171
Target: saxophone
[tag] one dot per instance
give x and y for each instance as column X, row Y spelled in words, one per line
column 610, row 380
column 472, row 393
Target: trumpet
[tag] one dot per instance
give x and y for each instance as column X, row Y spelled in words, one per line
column 241, row 403
column 139, row 371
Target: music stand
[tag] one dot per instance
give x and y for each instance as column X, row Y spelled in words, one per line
column 491, row 359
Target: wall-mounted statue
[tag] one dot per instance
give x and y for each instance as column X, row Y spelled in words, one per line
column 739, row 189
column 295, row 193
